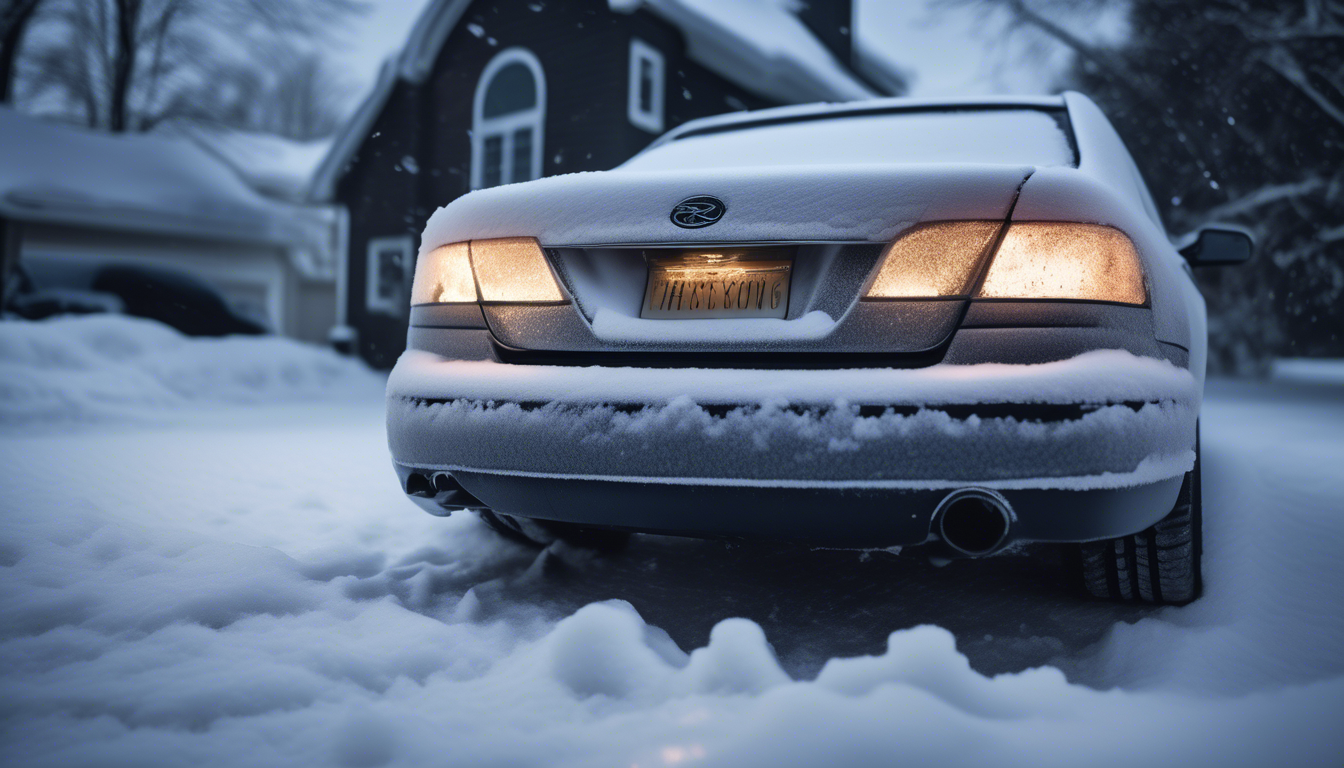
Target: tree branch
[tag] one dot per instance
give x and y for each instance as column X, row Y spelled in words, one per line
column 13, row 24
column 1287, row 67
column 1268, row 195
column 1025, row 14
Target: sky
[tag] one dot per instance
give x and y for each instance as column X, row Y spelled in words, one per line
column 944, row 46
column 957, row 48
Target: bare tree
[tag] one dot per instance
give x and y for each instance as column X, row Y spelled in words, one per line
column 14, row 18
column 131, row 64
column 306, row 101
column 1235, row 111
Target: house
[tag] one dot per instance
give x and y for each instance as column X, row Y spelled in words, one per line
column 77, row 199
column 489, row 92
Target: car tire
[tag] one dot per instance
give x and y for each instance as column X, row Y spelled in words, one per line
column 1160, row 565
column 543, row 533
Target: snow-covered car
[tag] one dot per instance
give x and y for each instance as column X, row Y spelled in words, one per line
column 879, row 324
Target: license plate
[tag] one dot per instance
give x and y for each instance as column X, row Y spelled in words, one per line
column 716, row 285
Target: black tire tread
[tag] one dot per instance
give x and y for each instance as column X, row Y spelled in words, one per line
column 1160, row 565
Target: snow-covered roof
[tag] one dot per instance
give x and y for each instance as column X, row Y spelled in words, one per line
column 758, row 44
column 64, row 174
column 273, row 165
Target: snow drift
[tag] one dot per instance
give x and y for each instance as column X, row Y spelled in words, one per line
column 117, row 367
column 254, row 590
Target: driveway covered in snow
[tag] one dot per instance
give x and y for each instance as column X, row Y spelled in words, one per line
column 205, row 560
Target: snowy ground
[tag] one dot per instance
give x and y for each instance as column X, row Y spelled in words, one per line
column 207, row 577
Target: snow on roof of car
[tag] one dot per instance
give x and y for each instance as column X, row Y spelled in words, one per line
column 57, row 173
column 821, row 109
column 1003, row 136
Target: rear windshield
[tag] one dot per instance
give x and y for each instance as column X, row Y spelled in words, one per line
column 995, row 136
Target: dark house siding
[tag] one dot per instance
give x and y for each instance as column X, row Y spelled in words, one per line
column 383, row 201
column 584, row 50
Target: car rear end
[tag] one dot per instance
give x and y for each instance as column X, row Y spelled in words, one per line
column 851, row 344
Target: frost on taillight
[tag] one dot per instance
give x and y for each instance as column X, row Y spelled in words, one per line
column 1063, row 260
column 443, row 276
column 933, row 260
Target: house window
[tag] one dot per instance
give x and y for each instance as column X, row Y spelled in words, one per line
column 645, row 107
column 507, row 118
column 388, row 281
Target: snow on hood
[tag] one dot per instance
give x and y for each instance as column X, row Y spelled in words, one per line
column 114, row 367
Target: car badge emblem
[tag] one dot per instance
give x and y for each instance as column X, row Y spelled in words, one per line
column 698, row 211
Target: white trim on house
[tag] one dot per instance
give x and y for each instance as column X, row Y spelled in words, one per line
column 392, row 304
column 647, row 79
column 505, row 128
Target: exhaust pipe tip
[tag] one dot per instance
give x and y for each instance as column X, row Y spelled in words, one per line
column 451, row 496
column 974, row 522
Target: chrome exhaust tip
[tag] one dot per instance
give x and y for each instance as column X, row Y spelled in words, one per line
column 439, row 493
column 451, row 496
column 974, row 522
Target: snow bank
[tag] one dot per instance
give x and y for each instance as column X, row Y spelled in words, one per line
column 1309, row 370
column 238, row 659
column 301, row 613
column 114, row 366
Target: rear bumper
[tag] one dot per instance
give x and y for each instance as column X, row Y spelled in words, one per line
column 831, row 516
column 1085, row 448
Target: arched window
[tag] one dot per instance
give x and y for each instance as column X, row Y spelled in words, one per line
column 507, row 118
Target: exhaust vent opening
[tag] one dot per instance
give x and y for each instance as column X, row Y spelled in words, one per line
column 974, row 522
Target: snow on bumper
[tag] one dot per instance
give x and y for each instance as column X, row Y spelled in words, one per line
column 843, row 428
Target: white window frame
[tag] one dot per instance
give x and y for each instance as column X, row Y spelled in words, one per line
column 375, row 303
column 504, row 126
column 652, row 119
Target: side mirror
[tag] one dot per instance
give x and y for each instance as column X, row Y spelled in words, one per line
column 1218, row 245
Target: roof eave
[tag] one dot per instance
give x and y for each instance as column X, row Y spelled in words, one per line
column 119, row 219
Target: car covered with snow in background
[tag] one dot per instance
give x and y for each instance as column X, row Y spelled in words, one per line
column 875, row 324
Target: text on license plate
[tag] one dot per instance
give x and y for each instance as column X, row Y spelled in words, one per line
column 716, row 286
